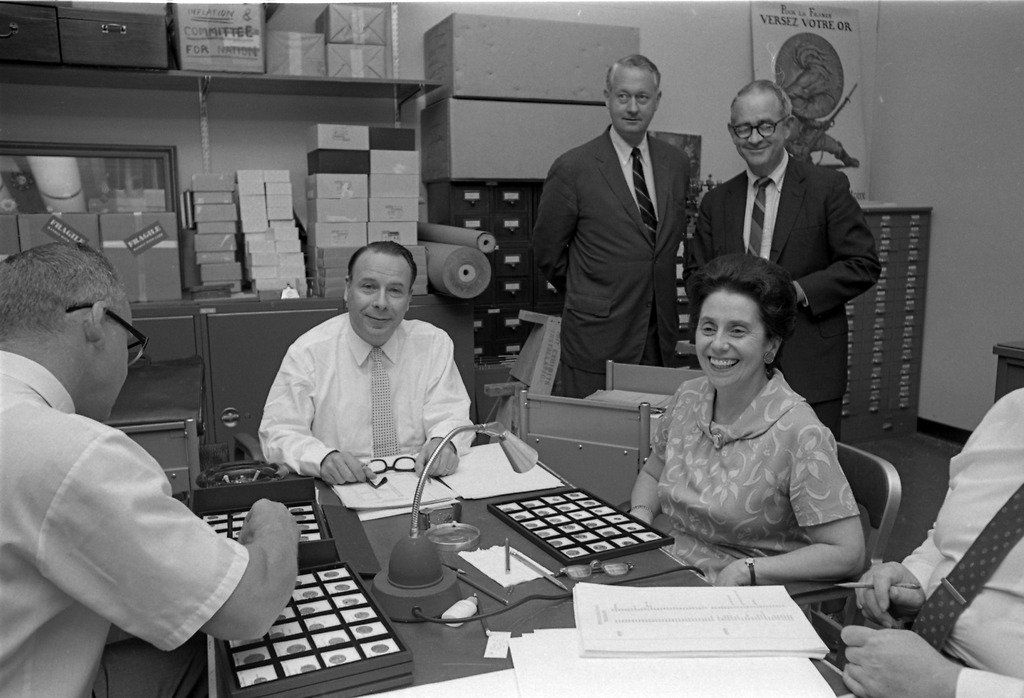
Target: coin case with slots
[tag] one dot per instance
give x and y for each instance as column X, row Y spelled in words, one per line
column 305, row 515
column 574, row 526
column 330, row 633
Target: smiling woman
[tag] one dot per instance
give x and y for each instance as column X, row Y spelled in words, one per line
column 745, row 471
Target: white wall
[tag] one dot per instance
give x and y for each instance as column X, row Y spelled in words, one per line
column 945, row 85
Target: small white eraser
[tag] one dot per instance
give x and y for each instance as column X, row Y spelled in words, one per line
column 497, row 644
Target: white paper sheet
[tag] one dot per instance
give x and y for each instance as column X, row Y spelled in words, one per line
column 547, row 663
column 758, row 621
column 491, row 561
column 494, row 684
column 485, row 472
column 397, row 492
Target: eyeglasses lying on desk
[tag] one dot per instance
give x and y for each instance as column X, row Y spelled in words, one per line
column 580, row 572
column 401, row 464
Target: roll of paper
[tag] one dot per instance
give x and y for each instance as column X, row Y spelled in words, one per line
column 59, row 182
column 450, row 235
column 455, row 270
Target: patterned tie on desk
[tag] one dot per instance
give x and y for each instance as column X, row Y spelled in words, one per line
column 940, row 612
column 643, row 197
column 757, row 217
column 385, row 440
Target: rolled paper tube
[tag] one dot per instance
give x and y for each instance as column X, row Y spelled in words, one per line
column 454, row 270
column 450, row 235
column 59, row 182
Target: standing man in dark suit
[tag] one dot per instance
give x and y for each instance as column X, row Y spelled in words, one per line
column 803, row 218
column 609, row 224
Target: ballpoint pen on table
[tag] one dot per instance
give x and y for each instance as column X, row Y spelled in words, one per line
column 870, row 585
column 464, row 576
column 538, row 569
column 508, row 560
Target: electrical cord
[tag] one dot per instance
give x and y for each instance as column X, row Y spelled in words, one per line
column 421, row 618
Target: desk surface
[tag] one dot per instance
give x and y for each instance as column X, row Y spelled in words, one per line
column 441, row 653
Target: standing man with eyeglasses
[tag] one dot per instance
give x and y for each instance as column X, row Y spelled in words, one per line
column 89, row 534
column 609, row 224
column 805, row 219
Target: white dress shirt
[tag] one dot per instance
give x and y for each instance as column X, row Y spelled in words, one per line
column 989, row 634
column 320, row 399
column 624, row 152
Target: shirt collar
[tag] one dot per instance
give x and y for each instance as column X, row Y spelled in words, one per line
column 624, row 150
column 776, row 175
column 39, row 379
column 361, row 349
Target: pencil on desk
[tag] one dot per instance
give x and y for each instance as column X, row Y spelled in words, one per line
column 870, row 585
column 508, row 560
column 464, row 576
column 538, row 569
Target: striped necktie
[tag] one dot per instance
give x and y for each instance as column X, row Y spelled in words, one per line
column 643, row 197
column 385, row 440
column 940, row 612
column 757, row 217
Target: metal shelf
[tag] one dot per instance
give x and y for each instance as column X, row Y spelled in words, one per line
column 183, row 80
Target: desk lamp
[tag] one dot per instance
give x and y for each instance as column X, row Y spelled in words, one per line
column 415, row 577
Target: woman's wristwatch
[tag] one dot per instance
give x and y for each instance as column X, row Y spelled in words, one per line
column 750, row 566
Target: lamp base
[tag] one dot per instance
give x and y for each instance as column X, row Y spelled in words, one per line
column 433, row 600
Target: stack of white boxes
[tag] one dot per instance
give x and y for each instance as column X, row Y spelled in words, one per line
column 363, row 186
column 216, row 219
column 270, row 240
column 357, row 40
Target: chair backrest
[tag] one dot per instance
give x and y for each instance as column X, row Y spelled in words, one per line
column 876, row 487
column 646, row 379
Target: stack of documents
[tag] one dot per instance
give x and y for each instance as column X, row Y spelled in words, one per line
column 620, row 621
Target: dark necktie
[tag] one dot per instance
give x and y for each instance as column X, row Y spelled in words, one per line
column 643, row 198
column 757, row 217
column 940, row 612
column 385, row 440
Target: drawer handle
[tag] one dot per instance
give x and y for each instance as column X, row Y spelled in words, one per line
column 119, row 28
column 14, row 30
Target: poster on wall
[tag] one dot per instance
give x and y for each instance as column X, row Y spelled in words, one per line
column 813, row 53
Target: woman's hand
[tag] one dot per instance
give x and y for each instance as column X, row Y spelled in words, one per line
column 735, row 574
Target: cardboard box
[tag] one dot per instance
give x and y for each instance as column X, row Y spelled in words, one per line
column 42, row 228
column 229, row 271
column 215, row 242
column 395, row 209
column 338, row 162
column 394, row 186
column 216, row 227
column 213, row 197
column 337, row 235
column 37, row 38
column 271, row 176
column 338, row 210
column 110, row 38
column 337, row 137
column 213, row 181
column 357, row 61
column 394, row 162
column 215, row 257
column 459, row 140
column 384, row 138
column 337, row 186
column 205, row 213
column 354, row 24
column 295, row 53
column 402, row 232
column 143, row 247
column 219, row 37
column 490, row 57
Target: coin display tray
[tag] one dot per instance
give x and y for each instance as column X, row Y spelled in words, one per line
column 305, row 514
column 330, row 637
column 574, row 526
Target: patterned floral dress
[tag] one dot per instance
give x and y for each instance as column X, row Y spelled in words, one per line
column 746, row 489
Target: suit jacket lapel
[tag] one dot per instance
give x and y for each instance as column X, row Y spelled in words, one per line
column 610, row 168
column 790, row 202
column 735, row 207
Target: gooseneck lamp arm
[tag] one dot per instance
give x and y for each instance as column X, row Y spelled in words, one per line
column 520, row 455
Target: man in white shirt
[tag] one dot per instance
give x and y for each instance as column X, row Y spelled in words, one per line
column 89, row 534
column 318, row 417
column 984, row 653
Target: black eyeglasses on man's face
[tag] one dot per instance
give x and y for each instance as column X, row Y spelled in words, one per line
column 136, row 340
column 766, row 129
